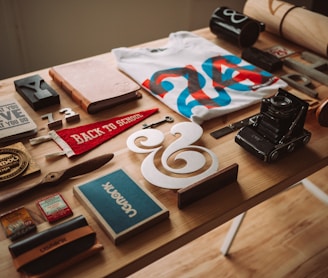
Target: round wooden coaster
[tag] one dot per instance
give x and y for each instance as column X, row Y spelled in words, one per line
column 13, row 163
column 322, row 113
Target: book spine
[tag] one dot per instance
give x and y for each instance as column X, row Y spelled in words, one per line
column 93, row 212
column 69, row 90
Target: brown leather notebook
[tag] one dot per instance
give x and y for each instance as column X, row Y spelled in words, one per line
column 95, row 84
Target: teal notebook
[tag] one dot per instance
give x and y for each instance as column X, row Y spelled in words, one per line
column 120, row 206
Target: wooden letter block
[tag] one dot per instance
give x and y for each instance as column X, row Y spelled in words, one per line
column 207, row 186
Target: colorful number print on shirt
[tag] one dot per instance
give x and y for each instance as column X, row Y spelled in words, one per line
column 226, row 73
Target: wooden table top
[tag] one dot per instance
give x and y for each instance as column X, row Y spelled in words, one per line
column 257, row 181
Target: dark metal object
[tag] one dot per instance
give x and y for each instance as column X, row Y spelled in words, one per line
column 233, row 127
column 55, row 178
column 278, row 130
column 167, row 119
column 36, row 92
column 262, row 59
column 236, row 27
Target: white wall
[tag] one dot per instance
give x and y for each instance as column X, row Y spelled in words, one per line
column 35, row 34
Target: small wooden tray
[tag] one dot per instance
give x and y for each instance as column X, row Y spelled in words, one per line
column 207, row 186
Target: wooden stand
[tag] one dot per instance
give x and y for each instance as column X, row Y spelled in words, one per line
column 207, row 186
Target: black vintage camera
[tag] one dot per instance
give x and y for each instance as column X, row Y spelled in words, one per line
column 278, row 129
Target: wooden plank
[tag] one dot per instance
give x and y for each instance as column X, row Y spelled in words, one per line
column 201, row 189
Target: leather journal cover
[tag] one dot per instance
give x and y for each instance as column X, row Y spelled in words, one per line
column 120, row 206
column 52, row 250
column 95, row 84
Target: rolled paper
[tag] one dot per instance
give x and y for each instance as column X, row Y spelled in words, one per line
column 297, row 24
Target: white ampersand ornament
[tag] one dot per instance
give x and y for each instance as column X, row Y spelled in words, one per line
column 193, row 156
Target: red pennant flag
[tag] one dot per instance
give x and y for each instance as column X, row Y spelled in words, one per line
column 77, row 140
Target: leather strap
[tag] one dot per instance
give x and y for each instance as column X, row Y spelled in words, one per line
column 55, row 270
column 51, row 245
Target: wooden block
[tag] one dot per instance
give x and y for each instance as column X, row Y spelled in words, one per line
column 15, row 122
column 207, row 186
column 32, row 165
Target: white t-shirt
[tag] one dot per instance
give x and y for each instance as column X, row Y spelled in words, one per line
column 195, row 77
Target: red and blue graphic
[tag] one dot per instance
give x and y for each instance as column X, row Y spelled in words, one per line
column 227, row 72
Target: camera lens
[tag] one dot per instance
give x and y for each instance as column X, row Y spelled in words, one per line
column 280, row 107
column 281, row 102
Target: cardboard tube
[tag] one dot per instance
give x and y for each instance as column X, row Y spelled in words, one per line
column 301, row 26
